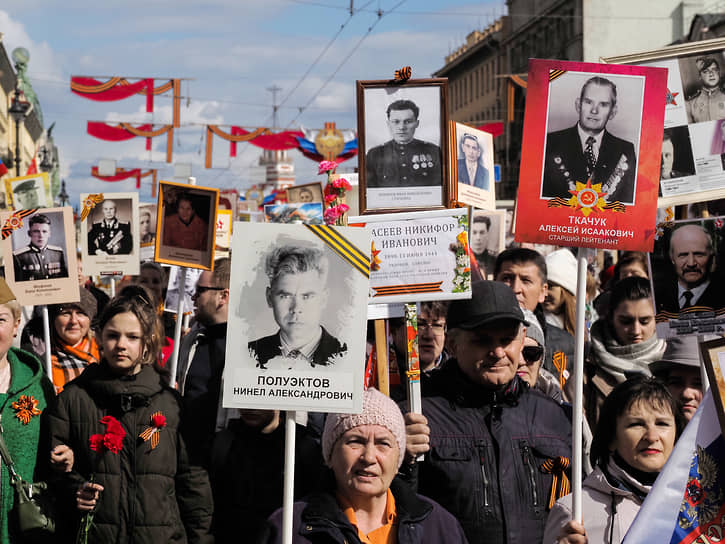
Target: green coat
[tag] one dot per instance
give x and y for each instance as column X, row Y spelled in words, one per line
column 150, row 495
column 22, row 439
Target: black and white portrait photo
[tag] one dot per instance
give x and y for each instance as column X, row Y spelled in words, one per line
column 593, row 132
column 30, row 192
column 109, row 228
column 474, row 167
column 110, row 243
column 702, row 81
column 402, row 131
column 688, row 277
column 41, row 254
column 487, row 237
column 40, row 262
column 147, row 224
column 677, row 159
column 310, row 192
column 295, row 303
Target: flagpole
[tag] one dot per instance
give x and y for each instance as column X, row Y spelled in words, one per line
column 577, row 419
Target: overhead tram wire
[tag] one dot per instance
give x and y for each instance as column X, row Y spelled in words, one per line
column 381, row 14
column 322, row 53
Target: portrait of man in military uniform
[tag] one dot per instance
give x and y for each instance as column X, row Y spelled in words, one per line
column 588, row 151
column 404, row 160
column 38, row 260
column 109, row 236
column 707, row 101
column 29, row 194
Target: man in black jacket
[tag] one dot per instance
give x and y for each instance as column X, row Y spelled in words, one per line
column 488, row 437
column 524, row 271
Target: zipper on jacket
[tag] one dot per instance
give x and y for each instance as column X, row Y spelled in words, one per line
column 486, row 480
column 526, row 455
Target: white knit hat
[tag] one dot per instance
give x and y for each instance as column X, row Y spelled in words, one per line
column 377, row 410
column 561, row 269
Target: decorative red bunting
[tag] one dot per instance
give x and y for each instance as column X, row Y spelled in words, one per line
column 126, row 131
column 118, row 88
column 261, row 137
column 123, row 174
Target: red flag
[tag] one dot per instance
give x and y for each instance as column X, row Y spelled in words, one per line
column 32, row 169
column 3, row 168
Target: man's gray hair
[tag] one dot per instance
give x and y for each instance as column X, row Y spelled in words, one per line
column 295, row 260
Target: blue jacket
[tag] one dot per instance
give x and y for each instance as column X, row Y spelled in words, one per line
column 487, row 451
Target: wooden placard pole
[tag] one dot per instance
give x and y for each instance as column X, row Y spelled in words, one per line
column 381, row 354
column 412, row 371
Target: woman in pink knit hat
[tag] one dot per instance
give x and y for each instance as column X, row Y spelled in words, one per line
column 363, row 500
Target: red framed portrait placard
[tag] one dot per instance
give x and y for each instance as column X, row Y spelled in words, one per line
column 590, row 161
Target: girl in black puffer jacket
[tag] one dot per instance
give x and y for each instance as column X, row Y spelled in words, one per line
column 148, row 491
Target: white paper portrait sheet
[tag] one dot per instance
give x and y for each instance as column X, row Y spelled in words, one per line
column 292, row 283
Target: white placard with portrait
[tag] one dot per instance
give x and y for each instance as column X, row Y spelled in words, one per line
column 298, row 309
column 109, row 234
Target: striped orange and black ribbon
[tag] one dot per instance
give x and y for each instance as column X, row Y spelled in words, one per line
column 615, row 206
column 15, row 221
column 554, row 74
column 151, row 433
column 343, row 247
column 407, row 288
column 403, row 74
column 558, row 202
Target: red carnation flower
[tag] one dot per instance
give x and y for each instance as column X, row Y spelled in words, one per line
column 113, row 426
column 96, row 442
column 158, row 421
column 113, row 442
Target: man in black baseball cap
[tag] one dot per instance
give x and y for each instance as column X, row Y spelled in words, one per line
column 486, row 436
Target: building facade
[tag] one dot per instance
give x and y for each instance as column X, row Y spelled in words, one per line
column 30, row 130
column 577, row 30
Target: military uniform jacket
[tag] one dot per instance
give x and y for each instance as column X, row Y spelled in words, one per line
column 112, row 237
column 565, row 164
column 705, row 106
column 31, row 263
column 414, row 164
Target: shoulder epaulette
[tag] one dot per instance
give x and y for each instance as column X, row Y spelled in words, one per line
column 21, row 250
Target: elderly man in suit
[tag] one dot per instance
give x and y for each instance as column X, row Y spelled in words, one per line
column 588, row 151
column 297, row 294
column 693, row 257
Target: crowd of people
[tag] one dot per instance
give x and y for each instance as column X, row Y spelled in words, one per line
column 487, row 461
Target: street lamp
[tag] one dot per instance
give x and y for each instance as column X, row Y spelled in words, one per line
column 19, row 108
column 63, row 196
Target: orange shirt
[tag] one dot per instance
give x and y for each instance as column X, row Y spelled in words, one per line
column 387, row 534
